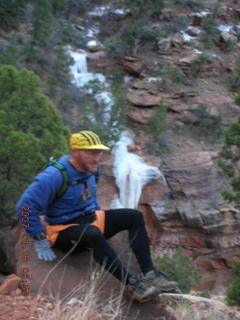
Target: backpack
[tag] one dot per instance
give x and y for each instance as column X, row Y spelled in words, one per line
column 53, row 162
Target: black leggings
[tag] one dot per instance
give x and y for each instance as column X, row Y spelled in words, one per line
column 116, row 220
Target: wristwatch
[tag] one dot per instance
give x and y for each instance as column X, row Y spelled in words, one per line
column 40, row 236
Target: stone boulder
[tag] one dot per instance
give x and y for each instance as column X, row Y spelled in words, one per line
column 198, row 17
column 146, row 84
column 142, row 98
column 175, row 41
column 225, row 37
column 197, row 308
column 94, row 45
column 140, row 116
column 194, row 181
column 10, row 284
column 132, row 66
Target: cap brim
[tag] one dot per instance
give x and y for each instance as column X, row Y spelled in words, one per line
column 97, row 147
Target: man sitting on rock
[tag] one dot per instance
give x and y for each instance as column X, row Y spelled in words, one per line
column 74, row 218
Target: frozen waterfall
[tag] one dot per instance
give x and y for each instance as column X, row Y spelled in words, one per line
column 131, row 173
column 79, row 69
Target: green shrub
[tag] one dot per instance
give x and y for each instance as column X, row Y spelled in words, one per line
column 138, row 28
column 210, row 28
column 74, row 7
column 107, row 121
column 168, row 76
column 59, row 73
column 228, row 45
column 94, row 86
column 11, row 12
column 208, row 125
column 67, row 33
column 112, row 47
column 179, row 268
column 42, row 20
column 150, row 7
column 131, row 36
column 237, row 99
column 8, row 52
column 30, row 132
column 157, row 123
column 192, row 4
column 31, row 53
column 59, row 6
column 229, row 162
column 205, row 294
column 197, row 65
column 177, row 75
column 175, row 25
column 234, row 80
column 233, row 292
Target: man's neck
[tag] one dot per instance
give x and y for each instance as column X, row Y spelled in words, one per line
column 75, row 164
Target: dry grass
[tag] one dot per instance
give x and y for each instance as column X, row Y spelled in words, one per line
column 186, row 311
column 88, row 300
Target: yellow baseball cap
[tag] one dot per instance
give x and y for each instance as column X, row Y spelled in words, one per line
column 86, row 140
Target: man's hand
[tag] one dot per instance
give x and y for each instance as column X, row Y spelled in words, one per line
column 43, row 250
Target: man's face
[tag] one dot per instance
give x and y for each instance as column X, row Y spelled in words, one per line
column 87, row 160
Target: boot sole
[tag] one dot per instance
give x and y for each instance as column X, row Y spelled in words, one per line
column 172, row 290
column 148, row 298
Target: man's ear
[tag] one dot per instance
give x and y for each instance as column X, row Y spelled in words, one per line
column 74, row 151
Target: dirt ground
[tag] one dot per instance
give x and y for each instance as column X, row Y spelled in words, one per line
column 20, row 307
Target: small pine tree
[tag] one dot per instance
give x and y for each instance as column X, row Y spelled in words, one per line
column 157, row 123
column 150, row 8
column 30, row 132
column 210, row 30
column 11, row 12
column 42, row 22
column 234, row 80
column 208, row 125
column 229, row 162
column 135, row 29
column 179, row 268
column 233, row 292
column 237, row 99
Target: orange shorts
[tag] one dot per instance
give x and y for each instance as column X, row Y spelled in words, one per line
column 52, row 231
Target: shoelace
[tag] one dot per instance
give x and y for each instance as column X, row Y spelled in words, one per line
column 161, row 274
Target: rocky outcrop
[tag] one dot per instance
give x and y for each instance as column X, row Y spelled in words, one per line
column 142, row 98
column 8, row 239
column 197, row 308
column 193, row 215
column 140, row 116
column 194, row 182
column 9, row 284
column 132, row 66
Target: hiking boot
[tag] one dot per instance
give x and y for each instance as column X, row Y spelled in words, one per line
column 139, row 291
column 159, row 280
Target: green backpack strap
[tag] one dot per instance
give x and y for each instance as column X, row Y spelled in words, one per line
column 63, row 171
column 65, row 183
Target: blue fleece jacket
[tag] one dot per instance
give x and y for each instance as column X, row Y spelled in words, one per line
column 40, row 198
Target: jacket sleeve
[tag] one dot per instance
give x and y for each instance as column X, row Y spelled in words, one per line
column 37, row 198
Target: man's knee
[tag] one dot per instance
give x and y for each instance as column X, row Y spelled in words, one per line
column 137, row 216
column 92, row 234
